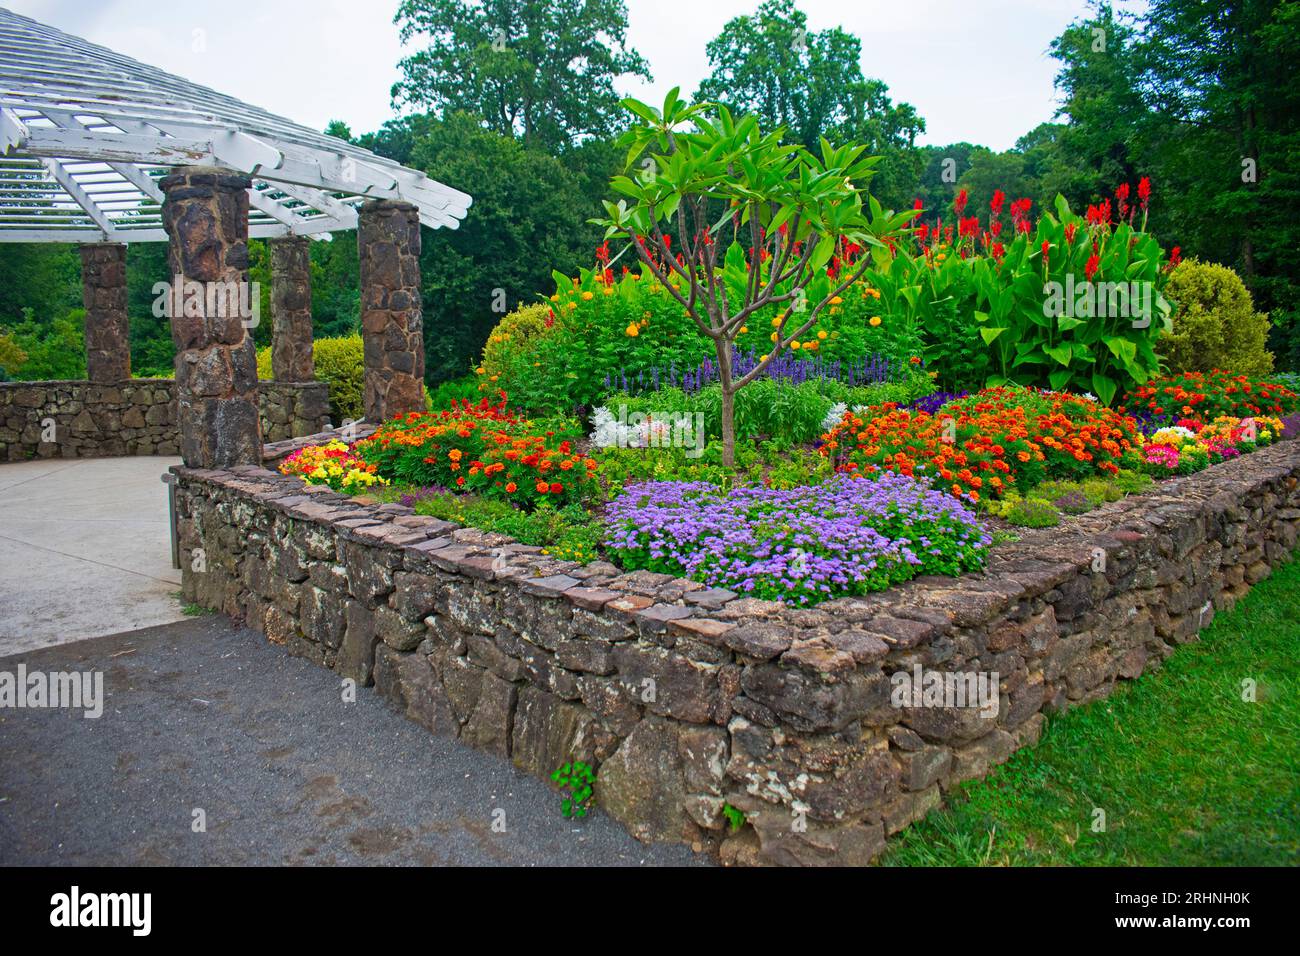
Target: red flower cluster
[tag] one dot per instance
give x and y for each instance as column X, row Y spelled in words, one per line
column 1198, row 398
column 994, row 441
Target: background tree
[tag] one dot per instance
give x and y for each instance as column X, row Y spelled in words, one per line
column 540, row 69
column 771, row 65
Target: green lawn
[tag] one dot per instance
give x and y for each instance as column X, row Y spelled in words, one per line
column 1188, row 773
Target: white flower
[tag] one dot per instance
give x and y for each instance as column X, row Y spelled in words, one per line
column 605, row 434
column 834, row 416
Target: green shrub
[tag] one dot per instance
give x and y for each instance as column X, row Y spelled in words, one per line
column 52, row 350
column 566, row 353
column 341, row 364
column 1033, row 513
column 771, row 409
column 443, row 394
column 1215, row 323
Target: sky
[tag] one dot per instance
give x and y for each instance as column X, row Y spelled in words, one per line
column 976, row 70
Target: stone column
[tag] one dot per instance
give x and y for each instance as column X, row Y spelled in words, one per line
column 291, row 336
column 103, row 291
column 213, row 311
column 392, row 323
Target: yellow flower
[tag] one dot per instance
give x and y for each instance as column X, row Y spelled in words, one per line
column 773, row 336
column 874, row 321
column 836, row 300
column 822, row 336
column 795, row 345
column 744, row 329
column 555, row 298
column 632, row 330
column 586, row 297
column 572, row 306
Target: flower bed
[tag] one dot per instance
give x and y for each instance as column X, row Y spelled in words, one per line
column 801, row 545
column 986, row 444
column 483, row 448
column 1202, row 397
column 332, row 464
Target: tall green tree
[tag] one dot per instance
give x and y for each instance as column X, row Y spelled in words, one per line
column 770, row 64
column 540, row 69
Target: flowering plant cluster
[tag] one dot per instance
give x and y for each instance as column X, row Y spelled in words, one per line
column 483, row 448
column 628, row 332
column 1182, row 450
column 800, row 545
column 332, row 464
column 986, row 444
column 1200, row 397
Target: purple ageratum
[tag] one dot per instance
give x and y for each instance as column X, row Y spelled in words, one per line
column 930, row 404
column 847, row 536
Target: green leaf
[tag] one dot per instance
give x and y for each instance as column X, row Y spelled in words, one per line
column 989, row 334
column 1104, row 387
column 1062, row 353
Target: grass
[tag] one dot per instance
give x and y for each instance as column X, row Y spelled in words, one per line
column 191, row 610
column 1187, row 772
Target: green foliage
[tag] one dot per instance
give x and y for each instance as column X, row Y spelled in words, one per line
column 769, row 408
column 54, row 349
column 529, row 217
column 1215, row 325
column 735, row 817
column 578, row 779
column 1029, row 512
column 12, row 356
column 541, row 69
column 442, row 395
column 771, row 65
column 340, row 363
column 570, row 532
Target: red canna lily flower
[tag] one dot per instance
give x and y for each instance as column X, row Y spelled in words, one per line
column 1090, row 270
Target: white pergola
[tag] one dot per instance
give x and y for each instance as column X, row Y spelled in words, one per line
column 86, row 133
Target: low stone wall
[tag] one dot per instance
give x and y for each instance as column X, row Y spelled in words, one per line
column 77, row 419
column 688, row 697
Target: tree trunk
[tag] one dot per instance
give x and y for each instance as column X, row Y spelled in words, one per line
column 728, row 405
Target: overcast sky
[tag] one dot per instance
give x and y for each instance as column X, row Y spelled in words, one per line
column 976, row 70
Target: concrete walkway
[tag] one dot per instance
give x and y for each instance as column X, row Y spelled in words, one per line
column 205, row 716
column 84, row 550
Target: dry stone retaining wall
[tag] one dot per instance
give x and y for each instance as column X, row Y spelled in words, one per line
column 690, row 697
column 136, row 417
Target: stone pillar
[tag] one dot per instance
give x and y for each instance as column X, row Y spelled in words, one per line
column 392, row 323
column 291, row 359
column 103, row 291
column 213, row 311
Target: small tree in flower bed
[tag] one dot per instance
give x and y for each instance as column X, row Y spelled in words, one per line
column 988, row 443
column 787, row 214
column 1198, row 398
column 802, row 545
column 483, row 448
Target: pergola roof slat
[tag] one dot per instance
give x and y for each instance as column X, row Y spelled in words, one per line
column 82, row 126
